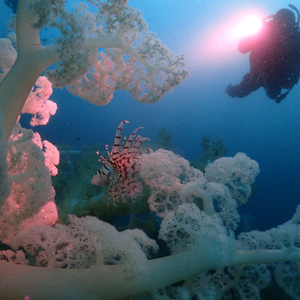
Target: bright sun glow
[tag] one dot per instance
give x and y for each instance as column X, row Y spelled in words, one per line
column 248, row 26
column 217, row 45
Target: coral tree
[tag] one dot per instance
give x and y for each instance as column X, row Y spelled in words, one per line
column 103, row 46
column 89, row 258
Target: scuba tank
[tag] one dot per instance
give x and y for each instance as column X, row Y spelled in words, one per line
column 293, row 7
column 283, row 96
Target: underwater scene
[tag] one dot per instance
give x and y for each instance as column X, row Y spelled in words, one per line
column 149, row 150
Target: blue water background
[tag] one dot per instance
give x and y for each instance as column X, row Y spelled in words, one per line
column 265, row 131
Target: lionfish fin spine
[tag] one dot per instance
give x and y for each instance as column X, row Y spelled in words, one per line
column 121, row 167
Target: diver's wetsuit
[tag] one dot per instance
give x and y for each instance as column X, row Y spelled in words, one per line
column 274, row 61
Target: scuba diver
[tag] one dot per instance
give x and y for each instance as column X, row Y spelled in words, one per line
column 274, row 57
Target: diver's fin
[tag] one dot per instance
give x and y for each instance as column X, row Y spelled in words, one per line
column 282, row 96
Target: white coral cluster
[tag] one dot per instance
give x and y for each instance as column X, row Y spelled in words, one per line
column 219, row 191
column 161, row 170
column 133, row 58
column 285, row 236
column 287, row 276
column 30, row 185
column 237, row 173
column 189, row 227
column 84, row 243
column 242, row 282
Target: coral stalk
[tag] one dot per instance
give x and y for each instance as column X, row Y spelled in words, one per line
column 32, row 60
column 109, row 282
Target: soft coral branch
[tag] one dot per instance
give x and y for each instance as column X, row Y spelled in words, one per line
column 131, row 57
column 110, row 282
column 31, row 61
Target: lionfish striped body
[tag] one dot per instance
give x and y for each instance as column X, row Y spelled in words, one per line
column 121, row 167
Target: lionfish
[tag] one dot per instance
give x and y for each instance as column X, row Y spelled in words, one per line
column 121, row 167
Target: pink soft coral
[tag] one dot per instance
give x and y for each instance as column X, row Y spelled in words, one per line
column 138, row 62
